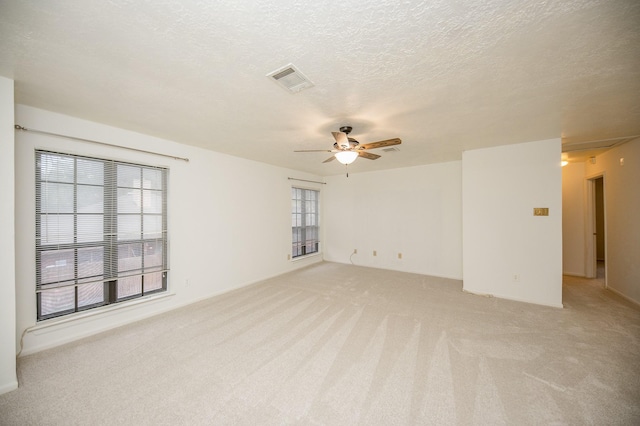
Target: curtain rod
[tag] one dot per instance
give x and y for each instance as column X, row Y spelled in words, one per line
column 304, row 180
column 18, row 127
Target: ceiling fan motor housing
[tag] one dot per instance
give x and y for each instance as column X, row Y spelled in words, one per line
column 352, row 145
column 346, row 143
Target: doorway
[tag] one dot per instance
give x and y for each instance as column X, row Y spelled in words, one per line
column 596, row 229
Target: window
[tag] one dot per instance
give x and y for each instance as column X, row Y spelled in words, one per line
column 101, row 232
column 304, row 221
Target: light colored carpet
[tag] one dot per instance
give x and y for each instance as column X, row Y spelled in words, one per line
column 340, row 345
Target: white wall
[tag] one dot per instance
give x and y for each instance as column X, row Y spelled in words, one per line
column 229, row 221
column 573, row 219
column 502, row 238
column 622, row 207
column 8, row 380
column 416, row 211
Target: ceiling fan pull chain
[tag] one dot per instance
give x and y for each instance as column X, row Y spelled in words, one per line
column 346, row 166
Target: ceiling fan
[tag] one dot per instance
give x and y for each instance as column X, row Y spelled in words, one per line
column 347, row 149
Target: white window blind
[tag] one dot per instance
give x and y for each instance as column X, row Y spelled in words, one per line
column 101, row 232
column 304, row 221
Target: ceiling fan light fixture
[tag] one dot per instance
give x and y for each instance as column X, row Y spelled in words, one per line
column 346, row 157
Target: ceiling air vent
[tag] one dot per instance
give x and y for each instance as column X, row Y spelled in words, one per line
column 290, row 78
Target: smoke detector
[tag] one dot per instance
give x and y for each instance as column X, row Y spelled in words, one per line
column 290, row 78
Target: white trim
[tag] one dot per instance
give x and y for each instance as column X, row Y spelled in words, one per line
column 11, row 386
column 54, row 325
column 624, row 296
column 591, row 262
column 514, row 299
column 75, row 138
column 574, row 274
column 96, row 311
column 63, row 322
column 306, row 256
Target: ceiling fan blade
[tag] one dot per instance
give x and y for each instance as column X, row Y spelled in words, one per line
column 315, row 150
column 341, row 139
column 380, row 144
column 329, row 159
column 368, row 155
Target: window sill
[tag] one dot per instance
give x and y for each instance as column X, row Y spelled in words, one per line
column 306, row 256
column 52, row 322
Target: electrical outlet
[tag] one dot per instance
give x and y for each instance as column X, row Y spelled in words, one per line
column 288, row 257
column 399, row 255
column 186, row 282
column 375, row 253
column 516, row 278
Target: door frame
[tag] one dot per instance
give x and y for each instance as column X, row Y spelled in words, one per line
column 591, row 254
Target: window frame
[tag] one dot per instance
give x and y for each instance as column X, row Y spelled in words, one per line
column 300, row 246
column 109, row 244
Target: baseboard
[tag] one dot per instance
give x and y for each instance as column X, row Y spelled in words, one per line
column 514, row 299
column 408, row 271
column 42, row 336
column 574, row 274
column 8, row 387
column 59, row 330
column 624, row 296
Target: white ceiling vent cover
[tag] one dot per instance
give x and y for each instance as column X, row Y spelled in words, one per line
column 290, row 78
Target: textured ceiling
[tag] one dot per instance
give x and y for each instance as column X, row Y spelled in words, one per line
column 444, row 76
